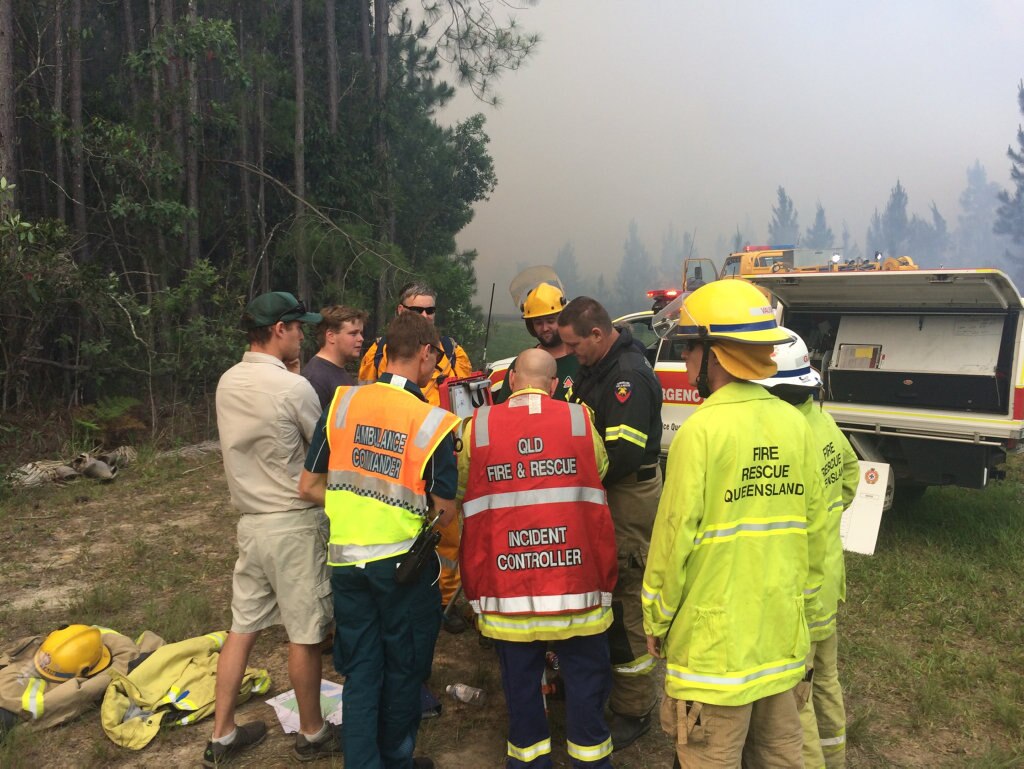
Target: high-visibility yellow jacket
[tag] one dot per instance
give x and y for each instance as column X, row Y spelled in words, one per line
column 736, row 547
column 381, row 437
column 840, row 474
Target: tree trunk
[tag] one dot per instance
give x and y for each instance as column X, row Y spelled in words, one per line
column 129, row 39
column 301, row 272
column 77, row 151
column 192, row 146
column 261, row 154
column 248, row 220
column 58, row 109
column 154, row 92
column 381, row 11
column 333, row 85
column 8, row 102
column 364, row 33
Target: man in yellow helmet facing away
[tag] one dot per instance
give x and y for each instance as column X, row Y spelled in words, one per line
column 540, row 313
column 735, row 550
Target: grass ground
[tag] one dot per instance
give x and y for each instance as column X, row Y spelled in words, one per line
column 932, row 634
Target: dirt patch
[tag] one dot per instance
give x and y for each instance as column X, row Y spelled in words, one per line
column 161, row 534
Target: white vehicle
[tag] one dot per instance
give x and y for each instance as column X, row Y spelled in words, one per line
column 922, row 369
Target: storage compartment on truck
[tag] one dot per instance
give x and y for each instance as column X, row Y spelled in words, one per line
column 928, row 361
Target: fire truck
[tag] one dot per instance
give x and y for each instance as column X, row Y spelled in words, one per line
column 762, row 260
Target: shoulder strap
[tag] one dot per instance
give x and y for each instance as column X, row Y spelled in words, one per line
column 448, row 344
column 378, row 356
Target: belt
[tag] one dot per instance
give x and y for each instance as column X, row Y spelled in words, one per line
column 641, row 475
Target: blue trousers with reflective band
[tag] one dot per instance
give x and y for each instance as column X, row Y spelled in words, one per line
column 383, row 645
column 586, row 672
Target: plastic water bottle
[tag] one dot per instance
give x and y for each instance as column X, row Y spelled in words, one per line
column 465, row 693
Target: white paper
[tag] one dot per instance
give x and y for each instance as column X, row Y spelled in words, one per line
column 287, row 709
column 859, row 527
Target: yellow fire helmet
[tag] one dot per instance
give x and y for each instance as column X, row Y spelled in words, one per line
column 73, row 651
column 729, row 311
column 543, row 300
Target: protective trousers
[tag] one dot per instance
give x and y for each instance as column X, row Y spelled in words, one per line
column 448, row 553
column 764, row 734
column 823, row 716
column 634, row 505
column 585, row 670
column 383, row 647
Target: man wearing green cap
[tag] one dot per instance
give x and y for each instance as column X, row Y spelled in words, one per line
column 266, row 415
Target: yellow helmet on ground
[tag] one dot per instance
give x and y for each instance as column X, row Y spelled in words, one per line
column 543, row 300
column 729, row 311
column 73, row 651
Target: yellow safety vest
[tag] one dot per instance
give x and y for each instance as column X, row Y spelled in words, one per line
column 381, row 437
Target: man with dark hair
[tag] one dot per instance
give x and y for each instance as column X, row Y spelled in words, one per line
column 340, row 336
column 419, row 299
column 617, row 383
column 265, row 416
column 382, row 463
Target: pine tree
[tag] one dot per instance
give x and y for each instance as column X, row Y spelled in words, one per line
column 819, row 235
column 976, row 243
column 1010, row 221
column 568, row 270
column 784, row 229
column 636, row 274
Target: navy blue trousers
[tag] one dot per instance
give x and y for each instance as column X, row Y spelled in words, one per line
column 383, row 645
column 586, row 672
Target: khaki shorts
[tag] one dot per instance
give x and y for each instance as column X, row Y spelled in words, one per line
column 281, row 575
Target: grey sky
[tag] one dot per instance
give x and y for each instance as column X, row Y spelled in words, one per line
column 691, row 114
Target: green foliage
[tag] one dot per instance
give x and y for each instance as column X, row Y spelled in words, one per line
column 819, row 234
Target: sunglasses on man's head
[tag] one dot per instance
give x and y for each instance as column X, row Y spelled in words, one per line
column 421, row 310
column 297, row 311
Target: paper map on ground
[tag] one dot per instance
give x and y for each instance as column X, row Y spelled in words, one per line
column 859, row 527
column 288, row 710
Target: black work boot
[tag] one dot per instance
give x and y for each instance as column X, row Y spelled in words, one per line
column 626, row 730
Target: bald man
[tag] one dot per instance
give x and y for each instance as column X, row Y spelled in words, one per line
column 539, row 558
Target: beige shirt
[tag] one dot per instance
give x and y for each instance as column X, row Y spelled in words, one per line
column 265, row 416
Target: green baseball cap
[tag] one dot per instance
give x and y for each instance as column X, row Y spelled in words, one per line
column 268, row 309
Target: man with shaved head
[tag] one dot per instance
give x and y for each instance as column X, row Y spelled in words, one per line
column 539, row 559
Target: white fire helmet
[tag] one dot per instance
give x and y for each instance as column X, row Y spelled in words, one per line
column 794, row 365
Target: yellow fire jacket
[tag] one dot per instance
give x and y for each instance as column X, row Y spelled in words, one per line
column 174, row 685
column 736, row 550
column 840, row 474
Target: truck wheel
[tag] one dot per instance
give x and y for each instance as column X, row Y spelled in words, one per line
column 908, row 494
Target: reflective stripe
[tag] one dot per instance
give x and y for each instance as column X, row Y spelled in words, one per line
column 528, row 754
column 511, row 627
column 346, row 555
column 780, row 374
column 775, row 527
column 812, row 590
column 533, row 497
column 429, row 427
column 828, row 742
column 217, row 638
column 834, row 505
column 733, row 681
column 589, row 752
column 722, row 328
column 655, row 598
column 32, row 698
column 261, row 685
column 447, row 563
column 638, row 667
column 481, row 430
column 627, row 433
column 342, row 410
column 822, row 623
column 543, row 604
column 380, row 489
column 577, row 422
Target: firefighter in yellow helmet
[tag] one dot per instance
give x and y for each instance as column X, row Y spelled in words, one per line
column 73, row 651
column 735, row 551
column 540, row 311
